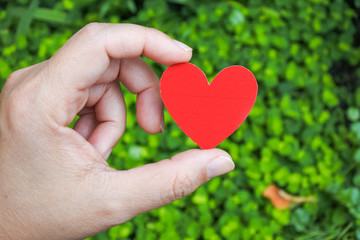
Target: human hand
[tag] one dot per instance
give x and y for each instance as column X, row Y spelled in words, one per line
column 55, row 182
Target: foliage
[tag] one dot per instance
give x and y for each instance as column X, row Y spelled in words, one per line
column 303, row 133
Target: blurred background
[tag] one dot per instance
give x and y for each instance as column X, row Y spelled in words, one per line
column 303, row 134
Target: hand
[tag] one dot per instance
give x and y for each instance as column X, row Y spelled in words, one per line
column 55, row 182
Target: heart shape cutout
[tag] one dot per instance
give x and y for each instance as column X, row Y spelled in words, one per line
column 208, row 113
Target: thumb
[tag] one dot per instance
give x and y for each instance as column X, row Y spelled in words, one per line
column 148, row 187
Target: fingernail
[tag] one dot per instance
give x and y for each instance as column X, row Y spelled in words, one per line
column 107, row 155
column 162, row 125
column 162, row 128
column 219, row 166
column 185, row 47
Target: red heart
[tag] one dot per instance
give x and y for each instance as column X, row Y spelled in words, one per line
column 208, row 113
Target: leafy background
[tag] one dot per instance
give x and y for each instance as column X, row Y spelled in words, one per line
column 303, row 133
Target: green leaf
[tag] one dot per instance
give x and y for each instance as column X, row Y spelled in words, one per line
column 355, row 128
column 121, row 231
column 51, row 15
column 291, row 71
column 236, row 17
column 300, row 219
column 339, row 217
column 330, row 98
column 357, row 155
column 353, row 114
column 26, row 19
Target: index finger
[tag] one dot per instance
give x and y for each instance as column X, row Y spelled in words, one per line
column 86, row 56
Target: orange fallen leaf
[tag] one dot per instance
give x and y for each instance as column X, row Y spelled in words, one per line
column 282, row 200
column 272, row 192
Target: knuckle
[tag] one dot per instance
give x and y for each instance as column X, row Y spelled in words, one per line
column 11, row 104
column 17, row 100
column 16, row 106
column 9, row 115
column 92, row 29
column 182, row 186
column 11, row 79
column 14, row 75
column 151, row 30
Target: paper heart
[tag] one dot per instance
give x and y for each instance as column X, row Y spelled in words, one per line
column 208, row 113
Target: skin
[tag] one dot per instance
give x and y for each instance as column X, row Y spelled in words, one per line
column 55, row 182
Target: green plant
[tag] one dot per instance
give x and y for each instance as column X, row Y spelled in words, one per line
column 303, row 133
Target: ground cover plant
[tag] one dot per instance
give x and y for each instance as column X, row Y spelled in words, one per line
column 303, row 134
